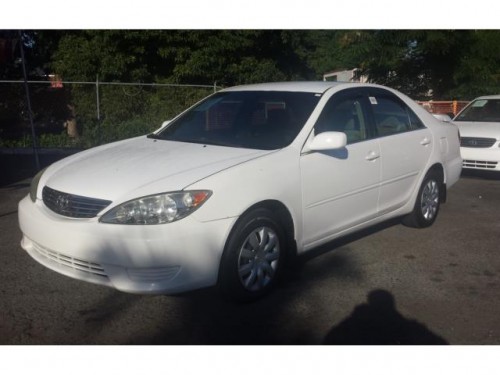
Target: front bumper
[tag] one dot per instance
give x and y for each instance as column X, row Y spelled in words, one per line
column 143, row 259
column 486, row 159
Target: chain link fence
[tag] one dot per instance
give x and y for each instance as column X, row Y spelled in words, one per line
column 86, row 114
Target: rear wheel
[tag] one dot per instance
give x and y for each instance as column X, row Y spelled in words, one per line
column 253, row 256
column 428, row 202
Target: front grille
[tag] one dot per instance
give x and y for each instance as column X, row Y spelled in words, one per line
column 477, row 142
column 72, row 205
column 74, row 263
column 479, row 164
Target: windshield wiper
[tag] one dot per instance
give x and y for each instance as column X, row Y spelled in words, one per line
column 206, row 141
column 201, row 141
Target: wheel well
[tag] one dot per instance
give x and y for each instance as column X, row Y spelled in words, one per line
column 285, row 219
column 438, row 169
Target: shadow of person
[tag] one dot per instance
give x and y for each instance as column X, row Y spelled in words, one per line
column 379, row 323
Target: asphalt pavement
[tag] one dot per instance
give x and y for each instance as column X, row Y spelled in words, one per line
column 388, row 285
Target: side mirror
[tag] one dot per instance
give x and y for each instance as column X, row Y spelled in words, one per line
column 328, row 141
column 442, row 117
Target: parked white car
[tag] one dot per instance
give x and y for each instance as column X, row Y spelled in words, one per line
column 479, row 126
column 233, row 187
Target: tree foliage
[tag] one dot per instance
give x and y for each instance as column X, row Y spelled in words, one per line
column 228, row 57
column 435, row 64
column 448, row 62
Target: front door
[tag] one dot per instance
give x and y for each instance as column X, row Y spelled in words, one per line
column 340, row 188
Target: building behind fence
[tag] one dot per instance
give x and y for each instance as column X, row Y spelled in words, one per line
column 85, row 114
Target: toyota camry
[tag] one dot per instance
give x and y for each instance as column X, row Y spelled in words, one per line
column 234, row 187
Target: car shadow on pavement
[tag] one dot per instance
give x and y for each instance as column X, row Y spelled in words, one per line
column 377, row 322
column 108, row 308
column 482, row 174
column 204, row 317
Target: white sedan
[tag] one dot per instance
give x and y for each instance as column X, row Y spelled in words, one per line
column 237, row 185
column 479, row 126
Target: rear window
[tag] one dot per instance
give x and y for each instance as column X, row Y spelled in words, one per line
column 392, row 116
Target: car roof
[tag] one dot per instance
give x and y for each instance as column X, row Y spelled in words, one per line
column 300, row 86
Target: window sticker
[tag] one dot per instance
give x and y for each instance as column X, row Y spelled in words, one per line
column 480, row 103
column 373, row 100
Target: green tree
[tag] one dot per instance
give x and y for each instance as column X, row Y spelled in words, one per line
column 479, row 69
column 322, row 52
column 441, row 63
column 227, row 57
column 232, row 57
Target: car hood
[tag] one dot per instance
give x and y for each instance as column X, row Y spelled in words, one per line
column 141, row 166
column 479, row 129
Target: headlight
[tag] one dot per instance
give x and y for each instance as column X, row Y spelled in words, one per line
column 157, row 209
column 34, row 185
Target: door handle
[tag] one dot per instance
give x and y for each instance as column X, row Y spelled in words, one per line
column 426, row 141
column 372, row 156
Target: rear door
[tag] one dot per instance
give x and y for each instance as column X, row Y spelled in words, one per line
column 405, row 148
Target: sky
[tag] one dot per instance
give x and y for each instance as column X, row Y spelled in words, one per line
column 250, row 14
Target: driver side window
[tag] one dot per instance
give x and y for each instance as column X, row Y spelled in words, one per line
column 344, row 114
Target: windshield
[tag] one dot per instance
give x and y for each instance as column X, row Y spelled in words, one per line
column 264, row 120
column 483, row 110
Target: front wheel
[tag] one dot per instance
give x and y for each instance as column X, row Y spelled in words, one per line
column 253, row 256
column 427, row 204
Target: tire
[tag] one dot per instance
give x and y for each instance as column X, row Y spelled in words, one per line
column 428, row 202
column 253, row 256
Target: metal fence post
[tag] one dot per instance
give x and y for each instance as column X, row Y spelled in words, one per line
column 28, row 100
column 98, row 110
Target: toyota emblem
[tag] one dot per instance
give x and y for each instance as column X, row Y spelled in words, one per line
column 62, row 202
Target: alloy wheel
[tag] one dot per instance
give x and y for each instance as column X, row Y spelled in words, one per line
column 430, row 200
